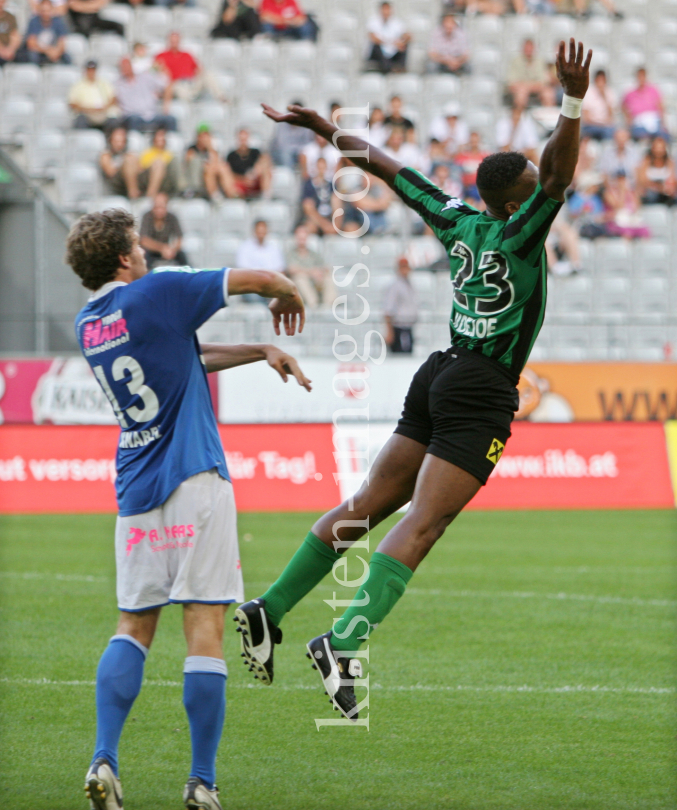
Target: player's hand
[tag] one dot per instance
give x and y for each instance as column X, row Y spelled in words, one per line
column 285, row 365
column 287, row 310
column 297, row 115
column 574, row 73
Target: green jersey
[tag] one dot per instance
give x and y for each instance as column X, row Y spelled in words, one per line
column 498, row 268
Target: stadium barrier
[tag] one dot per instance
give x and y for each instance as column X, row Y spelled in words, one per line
column 64, row 391
column 310, row 467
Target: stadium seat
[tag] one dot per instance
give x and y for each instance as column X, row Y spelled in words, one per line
column 77, row 47
column 193, row 215
column 299, row 55
column 652, row 296
column 571, row 296
column 192, row 22
column 487, row 62
column 258, row 86
column 112, row 201
column 152, row 18
column 85, row 145
column 481, row 91
column 276, row 213
column 371, row 87
column 486, row 29
column 651, row 258
column 193, row 245
column 657, row 220
column 665, row 65
column 47, row 151
column 383, row 254
column 231, row 217
column 260, row 54
column 423, row 282
column 17, row 116
column 340, row 251
column 405, row 85
column 614, row 257
column 285, row 185
column 78, row 183
column 213, row 113
column 176, row 143
column 295, row 85
column 649, row 344
column 54, row 114
column 57, row 80
column 556, row 28
column 222, row 251
column 333, row 85
column 596, row 31
column 341, row 26
column 338, row 56
column 109, row 48
column 439, row 89
column 23, row 80
column 631, row 32
column 419, row 26
column 120, row 14
column 225, row 54
column 612, row 296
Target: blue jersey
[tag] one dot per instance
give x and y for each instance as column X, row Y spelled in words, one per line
column 140, row 341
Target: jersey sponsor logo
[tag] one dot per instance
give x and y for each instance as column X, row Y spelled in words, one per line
column 454, row 202
column 138, row 438
column 495, row 451
column 474, row 327
column 104, row 333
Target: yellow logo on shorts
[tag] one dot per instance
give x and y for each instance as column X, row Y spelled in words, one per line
column 495, row 451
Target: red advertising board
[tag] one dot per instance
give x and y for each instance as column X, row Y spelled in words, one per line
column 53, row 468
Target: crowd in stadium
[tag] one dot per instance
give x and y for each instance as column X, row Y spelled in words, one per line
column 625, row 157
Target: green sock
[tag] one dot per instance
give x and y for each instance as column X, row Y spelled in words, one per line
column 311, row 564
column 387, row 581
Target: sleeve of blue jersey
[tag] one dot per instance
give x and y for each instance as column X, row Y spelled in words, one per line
column 188, row 297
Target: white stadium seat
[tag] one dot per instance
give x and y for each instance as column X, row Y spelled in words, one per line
column 23, row 80
column 78, row 183
column 17, row 117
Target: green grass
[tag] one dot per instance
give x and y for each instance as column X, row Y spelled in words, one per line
column 482, row 613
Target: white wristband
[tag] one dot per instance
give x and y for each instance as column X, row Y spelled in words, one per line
column 571, row 107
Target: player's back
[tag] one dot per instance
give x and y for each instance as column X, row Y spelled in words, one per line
column 140, row 341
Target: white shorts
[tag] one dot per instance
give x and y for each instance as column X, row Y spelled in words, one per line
column 183, row 551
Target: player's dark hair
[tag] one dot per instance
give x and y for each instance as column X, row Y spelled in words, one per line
column 95, row 244
column 500, row 171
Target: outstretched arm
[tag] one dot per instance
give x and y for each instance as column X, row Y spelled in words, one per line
column 221, row 356
column 286, row 304
column 560, row 156
column 374, row 160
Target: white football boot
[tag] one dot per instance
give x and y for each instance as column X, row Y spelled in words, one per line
column 102, row 787
column 197, row 796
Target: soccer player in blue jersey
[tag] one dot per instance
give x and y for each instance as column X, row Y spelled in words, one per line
column 176, row 534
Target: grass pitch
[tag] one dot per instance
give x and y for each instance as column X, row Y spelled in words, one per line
column 530, row 666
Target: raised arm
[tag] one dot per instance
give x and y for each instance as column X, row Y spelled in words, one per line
column 560, row 156
column 221, row 356
column 286, row 304
column 373, row 160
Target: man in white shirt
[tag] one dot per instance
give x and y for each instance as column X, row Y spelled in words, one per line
column 400, row 308
column 260, row 254
column 449, row 129
column 388, row 41
column 312, row 152
column 92, row 100
column 516, row 132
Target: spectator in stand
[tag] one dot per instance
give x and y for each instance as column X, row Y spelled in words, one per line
column 206, row 172
column 622, row 153
column 622, row 209
column 643, row 110
column 563, row 248
column 448, row 49
column 378, row 131
column 141, row 60
column 45, row 38
column 396, row 119
column 599, row 109
column 388, row 41
column 318, row 201
column 408, row 154
column 59, row 7
column 159, row 167
column 288, row 142
column 370, row 215
column 92, row 100
column 85, row 20
column 309, row 272
column 656, row 178
column 468, row 160
column 139, row 99
column 188, row 79
column 160, row 236
column 10, row 38
column 581, row 8
column 586, row 206
column 516, row 132
column 450, row 130
column 443, row 177
column 238, row 20
column 259, row 253
column 528, row 80
column 250, row 168
column 120, row 168
column 284, row 19
column 312, row 151
column 400, row 308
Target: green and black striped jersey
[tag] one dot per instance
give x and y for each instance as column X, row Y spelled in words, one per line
column 498, row 268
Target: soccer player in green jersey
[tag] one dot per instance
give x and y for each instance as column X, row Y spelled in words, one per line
column 459, row 408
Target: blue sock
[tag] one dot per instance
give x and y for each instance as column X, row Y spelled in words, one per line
column 118, row 682
column 204, row 696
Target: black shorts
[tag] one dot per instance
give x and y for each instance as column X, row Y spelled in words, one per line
column 461, row 405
